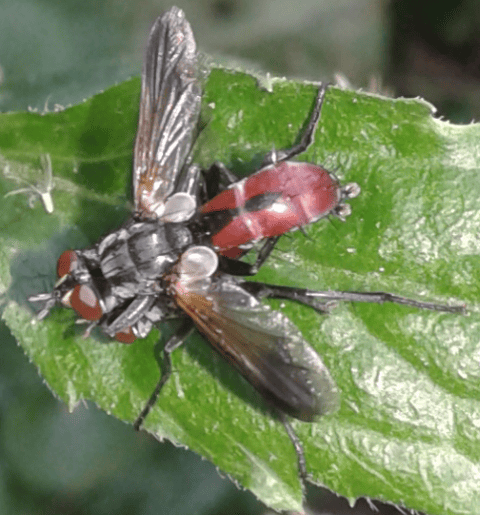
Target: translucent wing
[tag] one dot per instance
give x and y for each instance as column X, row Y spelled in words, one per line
column 263, row 344
column 169, row 108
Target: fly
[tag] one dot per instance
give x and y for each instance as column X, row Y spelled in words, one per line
column 178, row 253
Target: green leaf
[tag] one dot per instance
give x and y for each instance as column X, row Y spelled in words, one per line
column 407, row 430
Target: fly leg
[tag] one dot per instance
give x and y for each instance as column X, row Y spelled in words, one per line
column 322, row 300
column 264, row 253
column 228, row 176
column 217, row 178
column 297, row 445
column 166, row 368
column 307, row 137
column 237, row 267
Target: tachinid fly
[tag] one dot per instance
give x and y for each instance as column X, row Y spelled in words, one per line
column 178, row 254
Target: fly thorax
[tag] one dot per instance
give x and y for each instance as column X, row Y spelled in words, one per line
column 116, row 264
column 135, row 257
column 156, row 247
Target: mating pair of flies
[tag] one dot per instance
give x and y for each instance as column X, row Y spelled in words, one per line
column 179, row 254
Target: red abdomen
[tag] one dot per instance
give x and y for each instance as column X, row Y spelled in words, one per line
column 271, row 202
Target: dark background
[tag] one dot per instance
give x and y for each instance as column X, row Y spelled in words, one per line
column 62, row 52
column 53, row 462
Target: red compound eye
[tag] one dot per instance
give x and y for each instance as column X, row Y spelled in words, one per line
column 66, row 263
column 126, row 336
column 84, row 301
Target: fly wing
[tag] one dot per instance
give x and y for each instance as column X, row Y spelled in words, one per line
column 169, row 108
column 263, row 344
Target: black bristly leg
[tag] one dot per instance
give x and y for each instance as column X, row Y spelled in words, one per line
column 297, row 445
column 284, row 155
column 319, row 300
column 278, row 155
column 218, row 170
column 228, row 176
column 173, row 343
column 236, row 267
column 218, row 174
column 264, row 253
